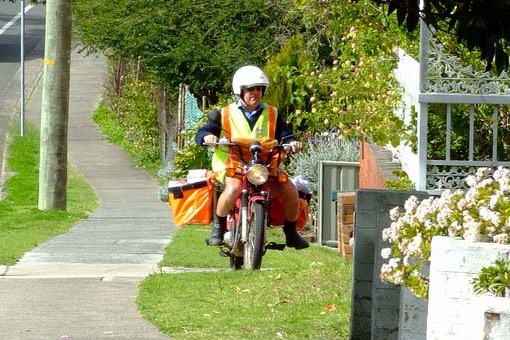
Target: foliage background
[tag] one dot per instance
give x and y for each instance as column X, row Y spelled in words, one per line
column 199, row 43
column 330, row 64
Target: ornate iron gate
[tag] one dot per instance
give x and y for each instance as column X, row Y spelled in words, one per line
column 445, row 86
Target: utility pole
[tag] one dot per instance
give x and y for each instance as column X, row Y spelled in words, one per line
column 55, row 106
column 22, row 67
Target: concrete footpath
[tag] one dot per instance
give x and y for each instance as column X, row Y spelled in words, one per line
column 83, row 284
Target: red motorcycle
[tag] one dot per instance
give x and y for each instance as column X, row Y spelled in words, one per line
column 256, row 163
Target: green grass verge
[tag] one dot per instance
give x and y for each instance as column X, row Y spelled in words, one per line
column 297, row 295
column 22, row 225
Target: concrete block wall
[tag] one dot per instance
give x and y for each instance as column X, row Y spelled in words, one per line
column 412, row 316
column 375, row 305
column 455, row 312
column 380, row 311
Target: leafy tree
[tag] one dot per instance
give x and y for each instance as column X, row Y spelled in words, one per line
column 199, row 43
column 342, row 79
column 334, row 73
column 479, row 24
column 286, row 71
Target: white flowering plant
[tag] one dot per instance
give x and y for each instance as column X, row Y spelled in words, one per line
column 481, row 213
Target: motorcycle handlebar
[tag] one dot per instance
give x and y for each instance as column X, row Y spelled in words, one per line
column 220, row 142
column 287, row 147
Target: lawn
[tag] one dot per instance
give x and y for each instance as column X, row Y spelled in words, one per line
column 302, row 294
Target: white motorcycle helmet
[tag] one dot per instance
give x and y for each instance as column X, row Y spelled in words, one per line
column 249, row 76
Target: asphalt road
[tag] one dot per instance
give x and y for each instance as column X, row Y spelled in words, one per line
column 10, row 36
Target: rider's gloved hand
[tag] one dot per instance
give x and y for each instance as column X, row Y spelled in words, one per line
column 210, row 139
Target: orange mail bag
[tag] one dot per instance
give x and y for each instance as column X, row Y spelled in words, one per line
column 277, row 217
column 191, row 202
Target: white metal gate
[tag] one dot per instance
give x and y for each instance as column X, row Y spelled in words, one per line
column 440, row 80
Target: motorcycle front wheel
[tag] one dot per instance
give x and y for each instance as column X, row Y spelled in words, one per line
column 254, row 247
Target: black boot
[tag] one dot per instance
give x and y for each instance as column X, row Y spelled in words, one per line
column 218, row 230
column 292, row 238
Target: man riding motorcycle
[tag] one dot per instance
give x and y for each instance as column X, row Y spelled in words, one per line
column 250, row 117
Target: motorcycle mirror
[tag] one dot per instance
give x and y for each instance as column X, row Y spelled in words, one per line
column 214, row 116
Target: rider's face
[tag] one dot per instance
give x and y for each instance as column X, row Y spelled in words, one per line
column 252, row 97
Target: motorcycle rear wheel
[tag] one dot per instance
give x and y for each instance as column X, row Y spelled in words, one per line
column 254, row 246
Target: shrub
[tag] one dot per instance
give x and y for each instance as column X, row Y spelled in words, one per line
column 493, row 280
column 481, row 213
column 191, row 156
column 328, row 146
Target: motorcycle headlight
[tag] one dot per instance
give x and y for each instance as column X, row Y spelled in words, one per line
column 258, row 174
